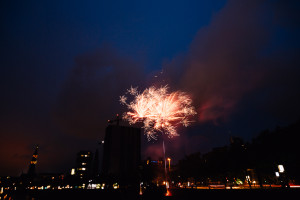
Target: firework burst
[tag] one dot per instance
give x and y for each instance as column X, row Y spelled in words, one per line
column 158, row 110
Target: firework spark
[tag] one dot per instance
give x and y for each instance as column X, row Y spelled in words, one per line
column 159, row 110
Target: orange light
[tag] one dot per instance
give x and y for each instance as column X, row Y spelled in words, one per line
column 169, row 160
column 168, row 193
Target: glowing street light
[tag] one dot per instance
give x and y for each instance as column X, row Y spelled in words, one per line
column 169, row 160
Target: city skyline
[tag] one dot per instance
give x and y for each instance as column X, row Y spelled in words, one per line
column 64, row 66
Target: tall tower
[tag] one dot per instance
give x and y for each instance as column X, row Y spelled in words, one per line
column 33, row 162
column 122, row 153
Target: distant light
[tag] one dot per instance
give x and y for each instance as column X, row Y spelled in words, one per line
column 115, row 185
column 83, row 163
column 102, row 141
column 167, row 184
column 72, row 171
column 281, row 168
column 248, row 178
column 168, row 193
column 277, row 174
column 33, row 162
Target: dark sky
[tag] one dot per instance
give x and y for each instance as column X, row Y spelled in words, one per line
column 64, row 65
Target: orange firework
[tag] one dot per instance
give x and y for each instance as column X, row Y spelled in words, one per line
column 158, row 110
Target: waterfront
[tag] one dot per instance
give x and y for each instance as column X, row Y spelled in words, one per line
column 178, row 193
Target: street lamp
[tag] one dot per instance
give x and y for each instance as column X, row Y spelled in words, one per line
column 280, row 168
column 169, row 159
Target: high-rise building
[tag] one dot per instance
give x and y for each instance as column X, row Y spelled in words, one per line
column 31, row 170
column 122, row 153
column 83, row 164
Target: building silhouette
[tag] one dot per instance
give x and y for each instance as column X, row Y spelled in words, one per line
column 84, row 164
column 122, row 154
column 31, row 169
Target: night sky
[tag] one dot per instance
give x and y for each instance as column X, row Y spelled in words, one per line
column 64, row 65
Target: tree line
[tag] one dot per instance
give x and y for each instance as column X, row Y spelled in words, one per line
column 259, row 157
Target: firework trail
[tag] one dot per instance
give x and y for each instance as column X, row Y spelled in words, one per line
column 159, row 110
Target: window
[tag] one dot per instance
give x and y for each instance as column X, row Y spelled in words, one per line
column 33, row 162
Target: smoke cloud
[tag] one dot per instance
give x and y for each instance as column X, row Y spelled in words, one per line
column 233, row 58
column 90, row 95
column 234, row 64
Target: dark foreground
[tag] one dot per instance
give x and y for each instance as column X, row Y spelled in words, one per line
column 176, row 194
